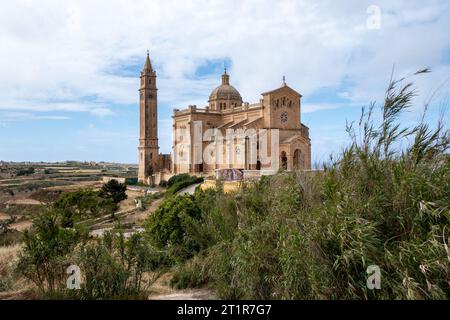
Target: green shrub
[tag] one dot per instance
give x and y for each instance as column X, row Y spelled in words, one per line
column 114, row 190
column 181, row 181
column 173, row 226
column 78, row 205
column 25, row 172
column 191, row 274
column 177, row 178
column 113, row 267
column 163, row 184
column 45, row 249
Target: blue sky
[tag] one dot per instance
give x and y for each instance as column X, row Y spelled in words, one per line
column 69, row 75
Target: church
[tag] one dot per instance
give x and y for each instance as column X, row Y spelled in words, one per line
column 228, row 133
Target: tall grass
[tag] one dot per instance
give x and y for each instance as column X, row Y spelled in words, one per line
column 312, row 236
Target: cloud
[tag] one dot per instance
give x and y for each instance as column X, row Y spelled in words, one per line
column 92, row 108
column 23, row 116
column 63, row 50
column 87, row 54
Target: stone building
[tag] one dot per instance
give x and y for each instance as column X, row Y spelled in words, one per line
column 202, row 143
column 151, row 161
column 278, row 109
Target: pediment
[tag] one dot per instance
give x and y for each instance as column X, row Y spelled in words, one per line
column 281, row 90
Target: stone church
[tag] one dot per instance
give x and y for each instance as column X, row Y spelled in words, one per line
column 197, row 149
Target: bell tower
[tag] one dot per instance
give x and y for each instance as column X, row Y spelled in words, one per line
column 148, row 123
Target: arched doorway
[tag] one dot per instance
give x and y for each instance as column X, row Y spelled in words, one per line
column 299, row 162
column 284, row 160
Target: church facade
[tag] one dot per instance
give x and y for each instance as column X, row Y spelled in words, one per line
column 227, row 133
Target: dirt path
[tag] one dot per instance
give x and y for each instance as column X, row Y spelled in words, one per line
column 25, row 201
column 161, row 290
column 4, row 216
column 129, row 203
column 138, row 217
column 191, row 294
column 21, row 225
column 131, row 216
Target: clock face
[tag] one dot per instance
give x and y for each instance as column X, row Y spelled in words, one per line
column 284, row 117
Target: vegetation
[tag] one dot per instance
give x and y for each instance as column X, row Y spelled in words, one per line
column 114, row 190
column 163, row 184
column 300, row 235
column 25, row 172
column 178, row 182
column 148, row 199
column 45, row 250
column 112, row 267
column 78, row 205
column 46, row 196
column 8, row 236
column 170, row 226
column 312, row 236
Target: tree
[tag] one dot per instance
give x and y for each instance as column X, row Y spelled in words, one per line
column 81, row 204
column 172, row 226
column 114, row 190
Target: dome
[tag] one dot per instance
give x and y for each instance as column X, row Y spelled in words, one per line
column 225, row 91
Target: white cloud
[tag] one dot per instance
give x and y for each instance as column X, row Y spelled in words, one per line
column 21, row 116
column 59, row 51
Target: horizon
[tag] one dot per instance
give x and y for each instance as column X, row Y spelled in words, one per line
column 71, row 77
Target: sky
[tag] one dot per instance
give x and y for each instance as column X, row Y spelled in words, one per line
column 69, row 70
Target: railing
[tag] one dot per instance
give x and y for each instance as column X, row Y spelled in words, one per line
column 208, row 110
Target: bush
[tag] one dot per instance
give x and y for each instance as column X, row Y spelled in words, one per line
column 173, row 227
column 114, row 190
column 176, row 183
column 163, row 184
column 44, row 257
column 113, row 267
column 25, row 172
column 177, row 178
column 191, row 274
column 82, row 204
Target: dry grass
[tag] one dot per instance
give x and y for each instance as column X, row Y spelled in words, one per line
column 14, row 287
column 8, row 258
